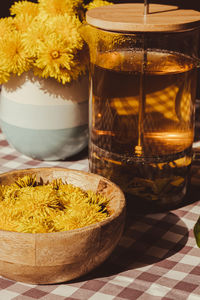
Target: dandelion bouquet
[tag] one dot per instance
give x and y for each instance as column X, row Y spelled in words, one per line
column 45, row 37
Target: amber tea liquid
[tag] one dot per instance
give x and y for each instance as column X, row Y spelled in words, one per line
column 141, row 122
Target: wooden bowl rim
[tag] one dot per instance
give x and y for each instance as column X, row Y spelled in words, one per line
column 119, row 211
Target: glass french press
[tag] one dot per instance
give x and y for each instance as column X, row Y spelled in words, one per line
column 143, row 84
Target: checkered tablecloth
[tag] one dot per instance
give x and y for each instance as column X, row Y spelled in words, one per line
column 157, row 257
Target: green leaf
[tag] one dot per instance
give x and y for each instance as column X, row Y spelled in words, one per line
column 197, row 232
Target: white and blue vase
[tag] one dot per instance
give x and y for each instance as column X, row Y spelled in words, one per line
column 44, row 119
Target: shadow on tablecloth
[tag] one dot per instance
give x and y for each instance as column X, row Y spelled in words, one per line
column 146, row 240
column 79, row 156
column 150, row 238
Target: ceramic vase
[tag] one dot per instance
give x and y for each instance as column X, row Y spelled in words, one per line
column 44, row 119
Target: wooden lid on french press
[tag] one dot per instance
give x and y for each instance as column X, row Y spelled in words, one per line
column 130, row 17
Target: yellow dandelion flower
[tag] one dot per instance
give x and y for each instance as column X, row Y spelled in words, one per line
column 26, row 181
column 36, row 33
column 24, row 8
column 80, row 66
column 54, row 8
column 22, row 22
column 68, row 27
column 53, row 55
column 6, row 25
column 13, row 55
column 78, row 215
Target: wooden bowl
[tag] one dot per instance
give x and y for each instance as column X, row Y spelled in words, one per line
column 44, row 258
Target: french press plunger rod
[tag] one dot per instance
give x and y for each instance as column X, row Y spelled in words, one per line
column 138, row 148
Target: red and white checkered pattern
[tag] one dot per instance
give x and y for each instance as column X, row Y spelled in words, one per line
column 156, row 258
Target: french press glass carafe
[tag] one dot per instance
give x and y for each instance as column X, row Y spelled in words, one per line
column 142, row 95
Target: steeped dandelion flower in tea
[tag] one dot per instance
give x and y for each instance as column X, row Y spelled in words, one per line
column 34, row 207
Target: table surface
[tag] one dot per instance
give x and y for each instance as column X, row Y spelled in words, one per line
column 156, row 258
